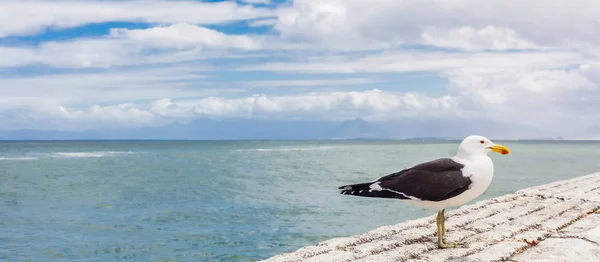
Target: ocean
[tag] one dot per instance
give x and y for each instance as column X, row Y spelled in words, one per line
column 224, row 200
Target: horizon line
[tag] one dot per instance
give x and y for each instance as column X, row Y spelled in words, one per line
column 412, row 139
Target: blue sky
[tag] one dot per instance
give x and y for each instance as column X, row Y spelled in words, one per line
column 119, row 64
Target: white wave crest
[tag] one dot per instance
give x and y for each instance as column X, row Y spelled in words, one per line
column 286, row 149
column 88, row 154
column 18, row 158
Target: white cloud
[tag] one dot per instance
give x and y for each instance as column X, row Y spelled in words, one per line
column 366, row 24
column 115, row 86
column 257, row 1
column 374, row 104
column 164, row 44
column 322, row 23
column 540, row 97
column 307, row 82
column 323, row 105
column 16, row 56
column 487, row 38
column 263, row 22
column 120, row 114
column 181, row 36
column 112, row 86
column 28, row 17
column 426, row 61
column 532, row 82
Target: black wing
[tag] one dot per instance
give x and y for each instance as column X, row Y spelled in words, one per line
column 435, row 180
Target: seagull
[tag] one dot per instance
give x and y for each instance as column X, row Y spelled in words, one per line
column 440, row 183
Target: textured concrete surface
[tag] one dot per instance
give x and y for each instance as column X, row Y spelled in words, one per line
column 559, row 221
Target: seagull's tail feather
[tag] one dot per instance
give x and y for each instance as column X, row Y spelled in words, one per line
column 365, row 190
column 361, row 185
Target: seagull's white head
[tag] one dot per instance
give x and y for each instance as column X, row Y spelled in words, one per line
column 473, row 145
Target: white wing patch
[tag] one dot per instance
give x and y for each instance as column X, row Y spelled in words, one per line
column 377, row 187
column 465, row 163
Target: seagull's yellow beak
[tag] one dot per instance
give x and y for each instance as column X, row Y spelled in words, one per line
column 500, row 149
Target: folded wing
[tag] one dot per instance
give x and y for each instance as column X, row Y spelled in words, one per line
column 435, row 180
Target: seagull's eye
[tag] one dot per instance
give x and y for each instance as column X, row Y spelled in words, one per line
column 481, row 141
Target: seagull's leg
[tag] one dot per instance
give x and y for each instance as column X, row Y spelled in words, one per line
column 443, row 217
column 441, row 221
column 440, row 232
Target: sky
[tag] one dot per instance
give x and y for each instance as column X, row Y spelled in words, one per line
column 85, row 64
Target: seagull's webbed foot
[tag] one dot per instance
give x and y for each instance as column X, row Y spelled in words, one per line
column 443, row 244
column 441, row 231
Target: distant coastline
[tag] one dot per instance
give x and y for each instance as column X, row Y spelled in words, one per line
column 288, row 130
column 302, row 140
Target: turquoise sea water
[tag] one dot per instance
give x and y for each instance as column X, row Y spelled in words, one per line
column 222, row 201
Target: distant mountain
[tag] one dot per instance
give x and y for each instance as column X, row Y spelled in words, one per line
column 358, row 128
column 246, row 129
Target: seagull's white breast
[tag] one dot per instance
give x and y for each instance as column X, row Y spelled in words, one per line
column 480, row 169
